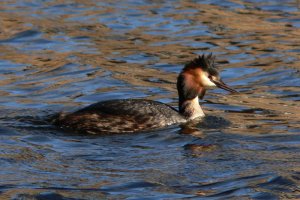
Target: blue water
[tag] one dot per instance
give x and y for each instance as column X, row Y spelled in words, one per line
column 60, row 56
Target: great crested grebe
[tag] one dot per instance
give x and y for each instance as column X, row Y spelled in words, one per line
column 133, row 115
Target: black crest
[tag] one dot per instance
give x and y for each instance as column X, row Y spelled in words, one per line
column 204, row 62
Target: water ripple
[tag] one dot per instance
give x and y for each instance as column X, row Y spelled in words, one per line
column 60, row 56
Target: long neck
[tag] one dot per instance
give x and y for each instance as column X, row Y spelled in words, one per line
column 190, row 109
column 188, row 92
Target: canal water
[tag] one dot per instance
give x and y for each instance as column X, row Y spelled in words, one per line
column 60, row 55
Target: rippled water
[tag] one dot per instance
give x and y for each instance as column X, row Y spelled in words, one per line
column 62, row 55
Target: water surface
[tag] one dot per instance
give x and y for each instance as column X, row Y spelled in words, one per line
column 62, row 55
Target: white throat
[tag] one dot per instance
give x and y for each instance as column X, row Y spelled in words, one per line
column 192, row 109
column 197, row 110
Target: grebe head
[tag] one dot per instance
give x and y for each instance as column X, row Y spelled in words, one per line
column 201, row 74
column 195, row 78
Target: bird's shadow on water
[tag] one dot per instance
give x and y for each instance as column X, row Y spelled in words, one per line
column 207, row 123
column 199, row 130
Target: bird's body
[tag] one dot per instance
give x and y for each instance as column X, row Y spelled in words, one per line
column 134, row 115
column 121, row 116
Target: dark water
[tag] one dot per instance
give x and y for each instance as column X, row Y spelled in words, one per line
column 62, row 55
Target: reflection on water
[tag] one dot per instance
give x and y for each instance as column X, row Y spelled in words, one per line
column 58, row 55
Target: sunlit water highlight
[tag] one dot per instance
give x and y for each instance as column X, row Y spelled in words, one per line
column 62, row 55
